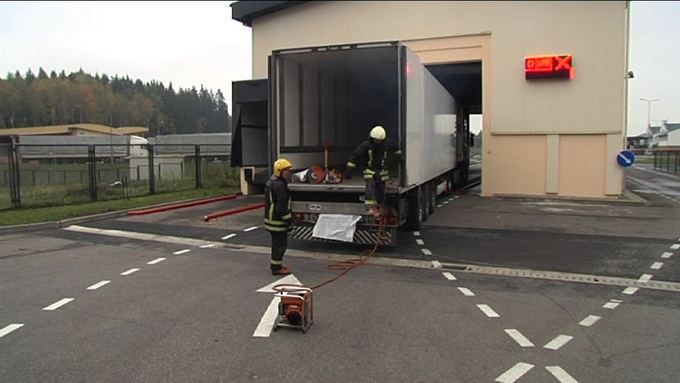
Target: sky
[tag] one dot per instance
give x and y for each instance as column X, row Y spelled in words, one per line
column 197, row 43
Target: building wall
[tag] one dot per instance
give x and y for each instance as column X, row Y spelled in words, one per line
column 551, row 118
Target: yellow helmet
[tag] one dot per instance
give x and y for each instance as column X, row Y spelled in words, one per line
column 280, row 165
column 378, row 133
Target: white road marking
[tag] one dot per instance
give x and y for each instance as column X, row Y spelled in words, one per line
column 488, row 311
column 420, row 242
column 129, row 272
column 449, row 276
column 426, row 251
column 560, row 374
column 611, row 305
column 589, row 320
column 630, row 290
column 446, row 202
column 289, row 279
column 155, row 261
column 436, row 264
column 98, row 285
column 440, row 205
column 180, row 252
column 616, row 300
column 264, row 328
column 135, row 235
column 466, row 292
column 514, row 373
column 558, row 342
column 229, row 236
column 250, row 228
column 208, row 246
column 644, row 278
column 450, row 199
column 675, row 246
column 666, row 255
column 416, row 233
column 656, row 265
column 519, row 338
column 58, row 304
column 8, row 329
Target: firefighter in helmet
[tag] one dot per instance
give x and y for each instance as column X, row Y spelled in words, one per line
column 277, row 213
column 374, row 154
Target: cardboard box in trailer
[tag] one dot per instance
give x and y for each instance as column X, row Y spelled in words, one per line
column 321, row 103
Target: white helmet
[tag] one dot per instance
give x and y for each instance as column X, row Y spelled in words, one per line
column 378, row 133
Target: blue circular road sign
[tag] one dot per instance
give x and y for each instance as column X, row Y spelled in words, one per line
column 625, row 158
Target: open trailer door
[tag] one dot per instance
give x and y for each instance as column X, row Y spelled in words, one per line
column 250, row 150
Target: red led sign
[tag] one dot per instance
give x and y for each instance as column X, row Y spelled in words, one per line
column 549, row 67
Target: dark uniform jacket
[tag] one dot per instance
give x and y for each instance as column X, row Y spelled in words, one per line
column 375, row 157
column 277, row 204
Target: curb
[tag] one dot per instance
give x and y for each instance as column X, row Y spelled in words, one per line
column 87, row 218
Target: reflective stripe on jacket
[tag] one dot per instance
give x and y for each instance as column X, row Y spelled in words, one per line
column 375, row 158
column 277, row 205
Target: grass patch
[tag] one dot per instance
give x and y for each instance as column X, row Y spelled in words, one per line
column 55, row 213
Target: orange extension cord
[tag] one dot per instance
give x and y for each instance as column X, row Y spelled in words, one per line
column 345, row 266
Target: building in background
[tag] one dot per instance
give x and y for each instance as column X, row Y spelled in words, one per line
column 542, row 136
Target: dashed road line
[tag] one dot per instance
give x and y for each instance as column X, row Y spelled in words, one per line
column 589, row 320
column 8, row 329
column 440, row 205
column 448, row 276
column 436, row 264
column 129, row 272
column 98, row 285
column 558, row 342
column 180, row 252
column 519, row 338
column 560, row 374
column 466, row 292
column 656, row 265
column 229, row 236
column 416, row 233
column 645, row 278
column 250, row 228
column 207, row 246
column 446, row 202
column 426, row 251
column 420, row 242
column 611, row 305
column 58, row 304
column 155, row 261
column 488, row 311
column 630, row 290
column 675, row 246
column 514, row 373
column 666, row 255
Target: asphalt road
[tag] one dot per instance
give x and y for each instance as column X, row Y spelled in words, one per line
column 191, row 315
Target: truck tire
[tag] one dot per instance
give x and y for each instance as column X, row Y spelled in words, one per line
column 416, row 209
column 432, row 197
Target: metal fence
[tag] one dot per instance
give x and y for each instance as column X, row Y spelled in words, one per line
column 49, row 175
column 667, row 160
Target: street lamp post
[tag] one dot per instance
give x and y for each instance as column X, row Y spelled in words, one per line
column 649, row 108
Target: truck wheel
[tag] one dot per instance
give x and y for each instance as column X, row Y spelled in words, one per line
column 414, row 219
column 424, row 198
column 449, row 183
column 432, row 197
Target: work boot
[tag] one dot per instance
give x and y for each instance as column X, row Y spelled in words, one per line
column 282, row 271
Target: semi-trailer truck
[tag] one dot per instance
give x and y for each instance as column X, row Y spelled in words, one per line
column 319, row 103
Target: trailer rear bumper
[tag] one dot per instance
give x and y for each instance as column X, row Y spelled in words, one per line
column 362, row 235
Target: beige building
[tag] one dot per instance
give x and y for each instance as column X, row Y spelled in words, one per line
column 542, row 137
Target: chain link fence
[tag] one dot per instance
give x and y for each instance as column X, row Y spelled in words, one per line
column 49, row 175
